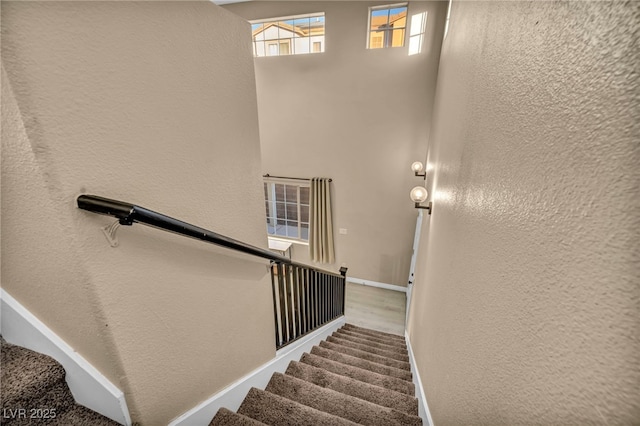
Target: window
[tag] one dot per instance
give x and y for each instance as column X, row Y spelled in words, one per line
column 416, row 34
column 287, row 210
column 291, row 35
column 387, row 25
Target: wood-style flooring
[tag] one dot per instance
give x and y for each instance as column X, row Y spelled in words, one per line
column 375, row 308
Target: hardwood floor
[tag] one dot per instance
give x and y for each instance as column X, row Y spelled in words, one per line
column 375, row 308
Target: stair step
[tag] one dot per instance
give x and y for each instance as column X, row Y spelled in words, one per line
column 27, row 375
column 366, row 340
column 337, row 403
column 368, row 392
column 361, row 374
column 276, row 410
column 369, row 339
column 374, row 333
column 34, row 380
column 367, row 356
column 226, row 417
column 361, row 363
column 397, row 354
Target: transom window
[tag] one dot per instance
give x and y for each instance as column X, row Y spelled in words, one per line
column 387, row 26
column 287, row 210
column 289, row 35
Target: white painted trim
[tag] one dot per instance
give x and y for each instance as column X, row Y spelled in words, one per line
column 423, row 407
column 231, row 397
column 376, row 284
column 88, row 386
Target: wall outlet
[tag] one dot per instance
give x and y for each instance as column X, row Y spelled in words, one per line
column 343, row 231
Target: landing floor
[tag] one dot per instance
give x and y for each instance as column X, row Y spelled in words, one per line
column 375, row 308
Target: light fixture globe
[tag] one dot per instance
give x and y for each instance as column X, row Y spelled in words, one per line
column 419, row 194
column 416, row 166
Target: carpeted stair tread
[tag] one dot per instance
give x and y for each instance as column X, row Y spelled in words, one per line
column 368, row 392
column 365, row 338
column 276, row 410
column 31, row 380
column 374, row 333
column 366, row 355
column 361, row 374
column 26, row 375
column 226, row 417
column 398, row 355
column 337, row 403
column 361, row 363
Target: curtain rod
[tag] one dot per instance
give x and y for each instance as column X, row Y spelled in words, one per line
column 283, row 177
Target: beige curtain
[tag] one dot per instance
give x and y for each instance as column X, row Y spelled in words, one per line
column 320, row 226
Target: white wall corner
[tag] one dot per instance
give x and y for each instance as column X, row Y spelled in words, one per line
column 231, row 397
column 423, row 407
column 88, row 386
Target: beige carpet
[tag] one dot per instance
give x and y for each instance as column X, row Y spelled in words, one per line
column 355, row 376
column 34, row 392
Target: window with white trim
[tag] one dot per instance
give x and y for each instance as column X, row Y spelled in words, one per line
column 387, row 26
column 289, row 35
column 287, row 209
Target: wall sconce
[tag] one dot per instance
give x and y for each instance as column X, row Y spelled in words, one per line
column 419, row 195
column 417, row 167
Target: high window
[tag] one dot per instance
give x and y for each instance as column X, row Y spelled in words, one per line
column 387, row 26
column 287, row 209
column 290, row 35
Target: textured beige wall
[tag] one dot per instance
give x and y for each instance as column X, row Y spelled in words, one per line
column 152, row 103
column 357, row 116
column 526, row 308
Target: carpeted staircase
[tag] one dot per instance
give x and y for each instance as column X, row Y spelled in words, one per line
column 355, row 376
column 34, row 392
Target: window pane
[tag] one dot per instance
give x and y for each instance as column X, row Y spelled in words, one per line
column 281, row 228
column 301, row 27
column 304, row 231
column 266, row 191
column 292, row 211
column 257, row 31
column 304, row 213
column 280, row 210
column 266, row 205
column 292, row 194
column 259, row 48
column 279, row 192
column 271, row 230
column 379, row 18
column 292, row 229
column 398, row 17
column 398, row 38
column 304, row 195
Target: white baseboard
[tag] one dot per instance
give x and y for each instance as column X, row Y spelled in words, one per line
column 231, row 397
column 376, row 284
column 423, row 407
column 88, row 386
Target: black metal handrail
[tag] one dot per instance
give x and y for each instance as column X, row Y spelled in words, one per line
column 304, row 298
column 128, row 214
